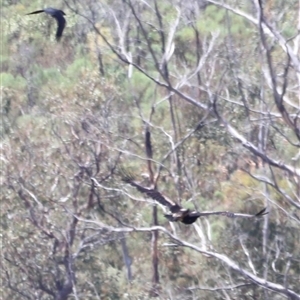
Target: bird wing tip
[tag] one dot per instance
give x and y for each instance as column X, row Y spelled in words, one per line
column 263, row 212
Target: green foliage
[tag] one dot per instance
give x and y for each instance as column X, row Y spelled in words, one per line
column 8, row 80
column 79, row 66
column 211, row 20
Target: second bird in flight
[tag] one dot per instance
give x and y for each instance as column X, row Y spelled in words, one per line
column 58, row 15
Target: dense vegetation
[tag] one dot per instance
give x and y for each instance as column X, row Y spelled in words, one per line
column 216, row 83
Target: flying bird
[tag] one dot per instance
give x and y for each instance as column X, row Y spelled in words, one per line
column 58, row 15
column 177, row 212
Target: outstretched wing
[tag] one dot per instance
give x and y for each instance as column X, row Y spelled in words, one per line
column 61, row 22
column 232, row 215
column 36, row 12
column 151, row 193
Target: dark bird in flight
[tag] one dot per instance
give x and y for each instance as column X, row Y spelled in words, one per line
column 58, row 15
column 177, row 212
